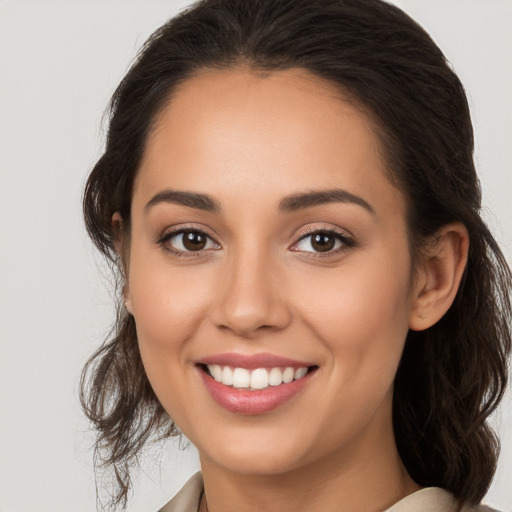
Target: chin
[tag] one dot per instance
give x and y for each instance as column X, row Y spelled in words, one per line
column 256, row 462
column 253, row 451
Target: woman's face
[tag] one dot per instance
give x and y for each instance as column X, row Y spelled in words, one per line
column 265, row 235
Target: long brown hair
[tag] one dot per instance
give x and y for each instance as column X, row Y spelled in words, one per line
column 452, row 375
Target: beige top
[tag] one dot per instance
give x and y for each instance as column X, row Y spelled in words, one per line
column 430, row 499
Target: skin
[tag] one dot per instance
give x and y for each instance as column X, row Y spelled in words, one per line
column 249, row 140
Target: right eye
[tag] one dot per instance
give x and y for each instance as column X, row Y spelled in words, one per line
column 183, row 241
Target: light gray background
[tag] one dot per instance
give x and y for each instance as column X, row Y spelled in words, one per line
column 59, row 63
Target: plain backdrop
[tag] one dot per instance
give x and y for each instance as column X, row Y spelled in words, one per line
column 59, row 63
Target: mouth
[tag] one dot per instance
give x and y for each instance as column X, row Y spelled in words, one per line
column 254, row 384
column 255, row 379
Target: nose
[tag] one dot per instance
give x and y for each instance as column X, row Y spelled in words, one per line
column 252, row 299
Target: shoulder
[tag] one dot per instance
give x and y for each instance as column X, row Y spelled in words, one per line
column 478, row 508
column 188, row 498
column 434, row 499
column 430, row 499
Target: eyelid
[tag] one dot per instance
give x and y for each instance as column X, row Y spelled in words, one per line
column 179, row 228
column 176, row 230
column 346, row 240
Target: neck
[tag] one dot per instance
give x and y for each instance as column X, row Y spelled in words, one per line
column 366, row 476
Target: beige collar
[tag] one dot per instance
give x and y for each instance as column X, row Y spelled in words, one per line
column 430, row 499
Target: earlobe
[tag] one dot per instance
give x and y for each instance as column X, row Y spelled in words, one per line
column 127, row 302
column 439, row 277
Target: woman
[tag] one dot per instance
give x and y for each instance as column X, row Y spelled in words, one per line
column 308, row 289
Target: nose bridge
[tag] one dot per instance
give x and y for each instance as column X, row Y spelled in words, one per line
column 251, row 299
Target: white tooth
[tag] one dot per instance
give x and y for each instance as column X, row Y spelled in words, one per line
column 300, row 372
column 227, row 376
column 259, row 378
column 275, row 377
column 241, row 378
column 288, row 375
column 216, row 372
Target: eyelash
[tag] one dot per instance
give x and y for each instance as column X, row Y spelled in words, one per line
column 346, row 241
column 177, row 252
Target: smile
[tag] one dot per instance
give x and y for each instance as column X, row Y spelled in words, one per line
column 253, row 384
column 257, row 379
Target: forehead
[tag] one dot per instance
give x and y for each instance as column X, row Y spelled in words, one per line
column 289, row 130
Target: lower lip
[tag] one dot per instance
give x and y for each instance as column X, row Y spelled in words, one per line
column 245, row 401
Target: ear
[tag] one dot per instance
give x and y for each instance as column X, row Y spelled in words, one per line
column 119, row 244
column 439, row 276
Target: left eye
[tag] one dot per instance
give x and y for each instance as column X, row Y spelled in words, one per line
column 321, row 241
column 190, row 240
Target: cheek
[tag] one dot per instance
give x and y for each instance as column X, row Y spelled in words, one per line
column 168, row 308
column 361, row 313
column 168, row 303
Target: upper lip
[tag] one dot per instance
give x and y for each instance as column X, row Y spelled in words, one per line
column 253, row 361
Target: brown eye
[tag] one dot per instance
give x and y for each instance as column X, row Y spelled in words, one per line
column 322, row 242
column 187, row 241
column 194, row 240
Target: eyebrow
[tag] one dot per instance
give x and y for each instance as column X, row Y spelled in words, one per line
column 291, row 203
column 192, row 199
column 303, row 200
